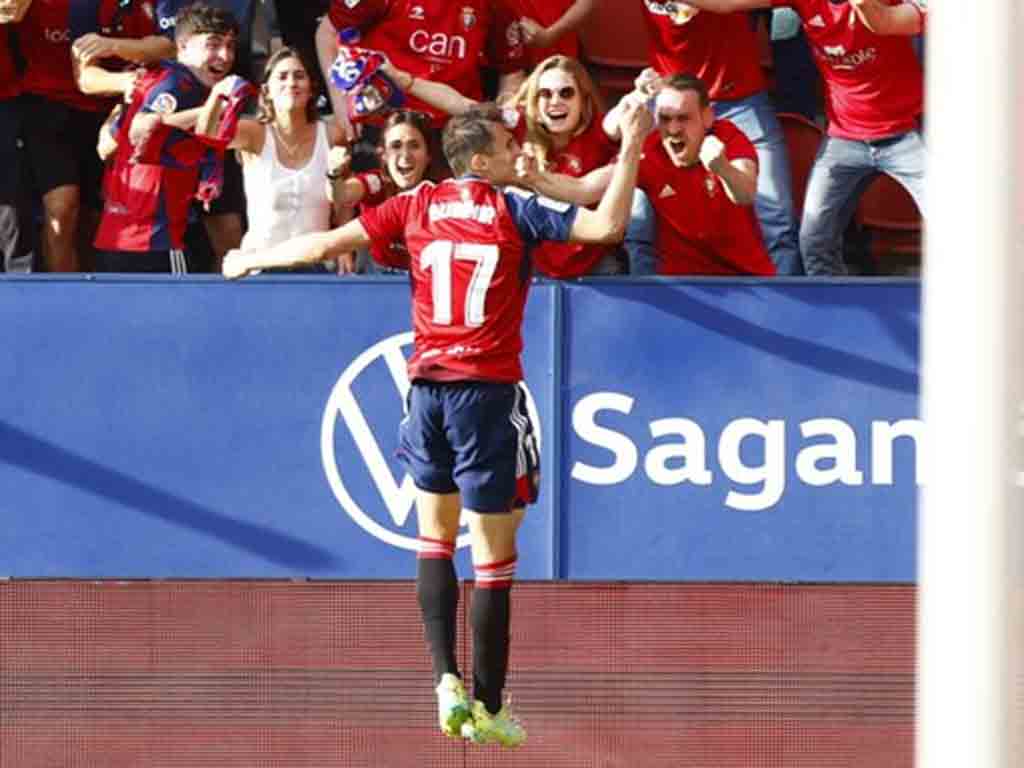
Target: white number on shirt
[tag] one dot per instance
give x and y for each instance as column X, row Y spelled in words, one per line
column 437, row 259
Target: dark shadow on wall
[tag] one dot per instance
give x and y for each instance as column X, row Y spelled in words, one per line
column 20, row 449
column 695, row 302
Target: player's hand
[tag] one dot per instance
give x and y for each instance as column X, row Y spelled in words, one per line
column 534, row 34
column 339, row 161
column 235, row 265
column 93, row 47
column 527, row 167
column 635, row 122
column 712, row 153
column 13, row 11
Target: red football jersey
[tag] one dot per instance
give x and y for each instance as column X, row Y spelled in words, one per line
column 722, row 49
column 700, row 231
column 546, row 13
column 51, row 26
column 874, row 83
column 147, row 205
column 470, row 271
column 437, row 39
column 584, row 153
column 376, row 189
column 10, row 83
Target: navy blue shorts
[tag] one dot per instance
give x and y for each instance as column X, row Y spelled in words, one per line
column 473, row 437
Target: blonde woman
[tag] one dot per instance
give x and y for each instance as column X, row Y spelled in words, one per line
column 557, row 116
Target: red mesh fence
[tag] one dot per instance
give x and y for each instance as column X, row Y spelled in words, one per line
column 290, row 675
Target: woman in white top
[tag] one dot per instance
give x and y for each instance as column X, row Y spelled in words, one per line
column 284, row 157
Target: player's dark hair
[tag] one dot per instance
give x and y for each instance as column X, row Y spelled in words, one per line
column 469, row 134
column 203, row 19
column 682, row 81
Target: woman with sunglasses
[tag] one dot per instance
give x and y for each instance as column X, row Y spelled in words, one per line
column 404, row 153
column 556, row 115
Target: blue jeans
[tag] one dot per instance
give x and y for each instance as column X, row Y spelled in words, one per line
column 755, row 116
column 639, row 240
column 842, row 171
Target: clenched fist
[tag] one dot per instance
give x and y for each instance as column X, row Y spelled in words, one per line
column 712, row 153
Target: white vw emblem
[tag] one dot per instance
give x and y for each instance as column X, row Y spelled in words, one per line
column 343, row 408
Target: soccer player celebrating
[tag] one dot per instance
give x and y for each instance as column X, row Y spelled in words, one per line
column 467, row 439
column 875, row 90
column 438, row 41
column 60, row 122
column 147, row 207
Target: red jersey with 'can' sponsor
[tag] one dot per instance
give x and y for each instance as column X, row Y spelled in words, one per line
column 700, row 231
column 443, row 40
column 721, row 49
column 469, row 245
column 874, row 83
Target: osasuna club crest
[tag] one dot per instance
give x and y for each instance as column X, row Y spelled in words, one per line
column 468, row 17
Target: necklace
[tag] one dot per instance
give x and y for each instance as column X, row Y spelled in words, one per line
column 290, row 148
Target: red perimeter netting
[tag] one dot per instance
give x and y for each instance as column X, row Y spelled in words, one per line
column 289, row 675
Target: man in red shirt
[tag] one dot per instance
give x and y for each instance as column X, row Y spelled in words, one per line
column 60, row 122
column 700, row 174
column 467, row 439
column 875, row 90
column 433, row 39
column 723, row 50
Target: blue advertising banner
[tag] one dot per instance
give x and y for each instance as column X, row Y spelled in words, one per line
column 712, row 430
column 741, row 431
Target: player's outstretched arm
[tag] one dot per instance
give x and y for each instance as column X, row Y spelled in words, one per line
column 584, row 190
column 305, row 249
column 905, row 19
column 608, row 223
column 13, row 11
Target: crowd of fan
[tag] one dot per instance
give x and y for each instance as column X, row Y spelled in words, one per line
column 132, row 141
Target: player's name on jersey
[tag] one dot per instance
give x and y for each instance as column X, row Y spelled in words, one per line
column 462, row 209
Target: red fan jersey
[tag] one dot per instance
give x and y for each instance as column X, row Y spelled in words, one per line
column 469, row 244
column 147, row 205
column 51, row 26
column 722, row 49
column 584, row 153
column 546, row 13
column 10, row 82
column 874, row 83
column 437, row 39
column 700, row 231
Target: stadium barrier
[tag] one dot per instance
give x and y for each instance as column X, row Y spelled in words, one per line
column 208, row 533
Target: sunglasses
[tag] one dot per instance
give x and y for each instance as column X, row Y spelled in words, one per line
column 565, row 94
